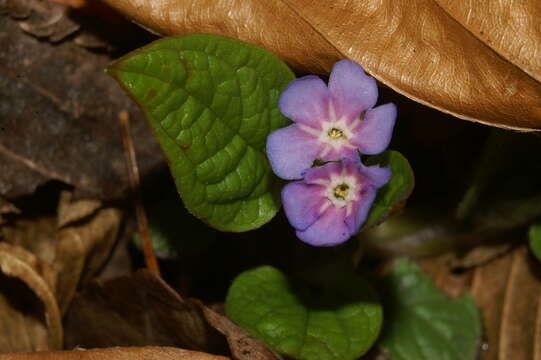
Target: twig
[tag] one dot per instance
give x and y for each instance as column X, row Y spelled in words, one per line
column 133, row 170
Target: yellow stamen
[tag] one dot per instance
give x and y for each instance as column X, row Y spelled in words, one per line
column 335, row 133
column 341, row 191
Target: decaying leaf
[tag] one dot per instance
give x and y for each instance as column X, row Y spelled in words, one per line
column 117, row 353
column 137, row 310
column 29, row 313
column 7, row 208
column 477, row 255
column 58, row 119
column 432, row 51
column 75, row 244
column 243, row 346
column 83, row 247
column 508, row 293
column 37, row 235
column 43, row 19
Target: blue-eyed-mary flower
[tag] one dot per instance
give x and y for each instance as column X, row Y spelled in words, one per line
column 331, row 122
column 331, row 203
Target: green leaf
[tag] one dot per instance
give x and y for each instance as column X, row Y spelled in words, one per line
column 534, row 235
column 396, row 191
column 212, row 101
column 339, row 321
column 422, row 323
column 174, row 232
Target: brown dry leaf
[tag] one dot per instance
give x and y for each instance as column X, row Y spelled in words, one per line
column 37, row 235
column 82, row 246
column 58, row 119
column 6, row 208
column 137, row 310
column 478, row 255
column 454, row 56
column 243, row 346
column 29, row 313
column 42, row 19
column 516, row 281
column 75, row 244
column 508, row 293
column 118, row 353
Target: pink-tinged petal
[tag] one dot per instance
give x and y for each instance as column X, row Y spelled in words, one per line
column 291, row 151
column 342, row 153
column 375, row 175
column 303, row 203
column 306, row 100
column 322, row 174
column 359, row 210
column 352, row 91
column 329, row 230
column 374, row 133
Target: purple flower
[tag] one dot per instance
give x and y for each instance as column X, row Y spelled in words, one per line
column 333, row 200
column 330, row 123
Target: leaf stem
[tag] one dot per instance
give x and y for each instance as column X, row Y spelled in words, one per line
column 133, row 172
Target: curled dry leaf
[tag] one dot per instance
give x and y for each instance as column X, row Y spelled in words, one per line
column 86, row 236
column 75, row 244
column 508, row 293
column 29, row 313
column 137, row 310
column 117, row 353
column 454, row 56
column 42, row 19
column 37, row 235
column 243, row 346
column 6, row 208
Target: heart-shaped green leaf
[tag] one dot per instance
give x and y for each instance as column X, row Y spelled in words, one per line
column 421, row 323
column 534, row 235
column 339, row 321
column 396, row 191
column 212, row 101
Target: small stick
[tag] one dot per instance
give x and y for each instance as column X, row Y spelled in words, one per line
column 133, row 170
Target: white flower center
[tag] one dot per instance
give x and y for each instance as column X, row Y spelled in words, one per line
column 341, row 190
column 335, row 133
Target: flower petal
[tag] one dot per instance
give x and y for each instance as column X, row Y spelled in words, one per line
column 352, row 91
column 329, row 230
column 291, row 151
column 306, row 100
column 302, row 203
column 375, row 175
column 322, row 173
column 341, row 153
column 374, row 133
column 360, row 209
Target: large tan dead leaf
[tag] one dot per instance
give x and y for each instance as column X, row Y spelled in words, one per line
column 118, row 353
column 508, row 293
column 476, row 62
column 29, row 315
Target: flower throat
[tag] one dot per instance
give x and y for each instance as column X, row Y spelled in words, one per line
column 335, row 133
column 341, row 191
